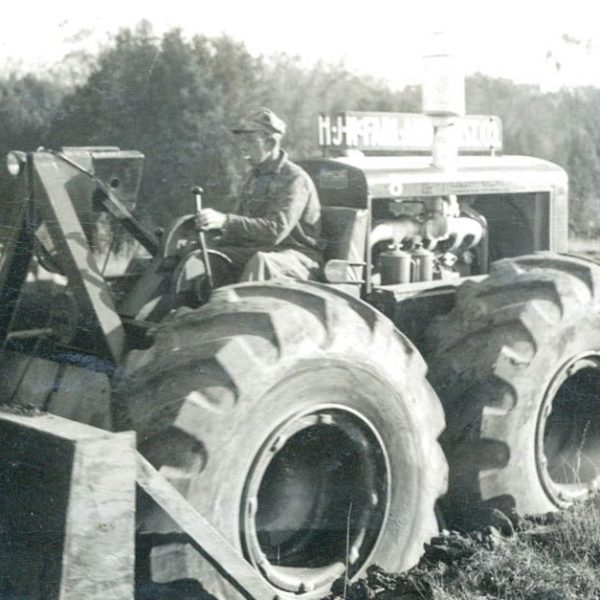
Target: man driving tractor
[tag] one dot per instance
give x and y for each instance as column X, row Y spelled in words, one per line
column 274, row 231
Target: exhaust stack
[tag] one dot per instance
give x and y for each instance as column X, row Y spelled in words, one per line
column 443, row 99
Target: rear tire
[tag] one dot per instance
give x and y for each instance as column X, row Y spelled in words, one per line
column 299, row 422
column 517, row 366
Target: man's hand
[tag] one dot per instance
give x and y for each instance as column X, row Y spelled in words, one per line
column 210, row 219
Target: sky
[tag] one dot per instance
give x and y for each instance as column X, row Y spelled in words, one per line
column 552, row 44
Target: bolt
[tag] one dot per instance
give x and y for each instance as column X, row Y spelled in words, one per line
column 261, row 561
column 251, row 506
column 277, row 444
column 325, row 419
column 374, row 499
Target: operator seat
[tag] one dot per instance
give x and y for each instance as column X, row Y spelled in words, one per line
column 344, row 231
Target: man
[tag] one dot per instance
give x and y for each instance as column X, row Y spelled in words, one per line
column 275, row 230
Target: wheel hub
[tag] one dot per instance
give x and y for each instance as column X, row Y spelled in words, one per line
column 316, row 499
column 568, row 432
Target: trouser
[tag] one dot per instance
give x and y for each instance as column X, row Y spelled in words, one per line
column 260, row 263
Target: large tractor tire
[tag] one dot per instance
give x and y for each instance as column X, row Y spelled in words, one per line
column 299, row 422
column 517, row 366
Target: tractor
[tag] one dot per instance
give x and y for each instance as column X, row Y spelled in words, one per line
column 309, row 422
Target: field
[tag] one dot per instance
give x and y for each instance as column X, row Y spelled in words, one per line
column 554, row 558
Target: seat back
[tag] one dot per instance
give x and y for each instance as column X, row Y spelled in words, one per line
column 345, row 233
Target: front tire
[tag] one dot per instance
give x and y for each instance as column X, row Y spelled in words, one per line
column 517, row 366
column 298, row 421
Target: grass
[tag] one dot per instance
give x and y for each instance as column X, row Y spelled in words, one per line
column 560, row 560
column 557, row 559
column 584, row 245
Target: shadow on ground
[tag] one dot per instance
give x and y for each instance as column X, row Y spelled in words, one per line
column 183, row 589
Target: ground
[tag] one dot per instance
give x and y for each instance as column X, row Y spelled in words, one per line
column 556, row 557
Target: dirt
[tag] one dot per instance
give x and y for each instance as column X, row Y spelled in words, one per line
column 21, row 409
column 450, row 548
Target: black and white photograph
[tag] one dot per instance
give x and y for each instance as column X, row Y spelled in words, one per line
column 300, row 300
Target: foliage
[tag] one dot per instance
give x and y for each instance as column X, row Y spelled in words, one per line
column 175, row 100
column 563, row 127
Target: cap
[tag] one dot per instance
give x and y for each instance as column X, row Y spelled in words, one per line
column 262, row 119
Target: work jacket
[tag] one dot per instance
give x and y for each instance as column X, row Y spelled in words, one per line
column 279, row 206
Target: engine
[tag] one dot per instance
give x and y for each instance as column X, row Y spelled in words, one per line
column 423, row 239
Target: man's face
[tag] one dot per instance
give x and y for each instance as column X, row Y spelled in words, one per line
column 255, row 147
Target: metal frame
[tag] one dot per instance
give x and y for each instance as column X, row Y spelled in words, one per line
column 17, row 253
column 42, row 195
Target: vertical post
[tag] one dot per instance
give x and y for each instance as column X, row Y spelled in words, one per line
column 17, row 219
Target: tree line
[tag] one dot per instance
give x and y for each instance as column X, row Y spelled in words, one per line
column 175, row 100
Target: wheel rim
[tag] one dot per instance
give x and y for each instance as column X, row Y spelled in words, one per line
column 316, row 499
column 568, row 432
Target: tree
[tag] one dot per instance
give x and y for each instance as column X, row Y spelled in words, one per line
column 176, row 100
